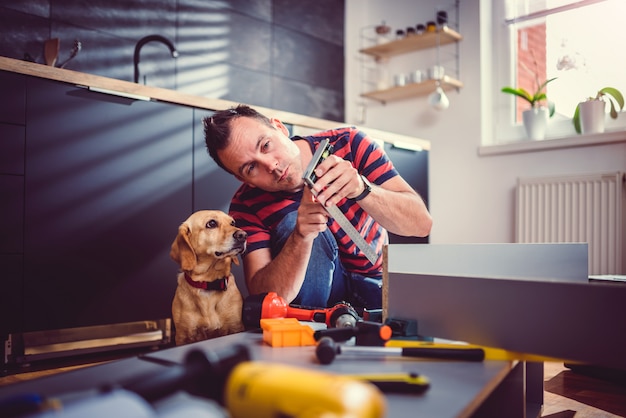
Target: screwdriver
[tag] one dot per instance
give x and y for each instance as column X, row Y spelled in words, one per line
column 327, row 350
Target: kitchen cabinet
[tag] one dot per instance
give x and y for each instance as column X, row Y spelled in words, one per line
column 12, row 143
column 108, row 181
column 406, row 45
column 213, row 187
column 413, row 167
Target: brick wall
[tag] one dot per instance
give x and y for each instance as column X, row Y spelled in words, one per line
column 531, row 61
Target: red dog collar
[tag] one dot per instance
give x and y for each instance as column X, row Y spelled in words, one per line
column 219, row 284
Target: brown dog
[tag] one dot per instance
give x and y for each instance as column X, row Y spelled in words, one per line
column 207, row 303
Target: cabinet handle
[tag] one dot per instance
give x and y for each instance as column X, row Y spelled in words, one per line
column 407, row 146
column 120, row 93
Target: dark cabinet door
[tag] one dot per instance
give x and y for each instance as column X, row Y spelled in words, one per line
column 12, row 140
column 108, row 181
column 413, row 167
column 213, row 186
column 13, row 88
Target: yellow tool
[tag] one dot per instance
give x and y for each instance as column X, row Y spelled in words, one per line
column 490, row 352
column 262, row 389
column 258, row 389
column 396, row 382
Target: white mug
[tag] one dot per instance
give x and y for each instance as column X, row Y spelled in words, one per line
column 399, row 79
column 415, row 76
column 436, row 72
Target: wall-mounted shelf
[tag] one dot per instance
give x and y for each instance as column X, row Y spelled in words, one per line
column 379, row 55
column 413, row 43
column 412, row 90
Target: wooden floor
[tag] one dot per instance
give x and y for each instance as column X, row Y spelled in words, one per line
column 566, row 394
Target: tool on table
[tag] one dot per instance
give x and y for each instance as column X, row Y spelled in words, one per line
column 261, row 389
column 270, row 305
column 366, row 333
column 373, row 315
column 327, row 350
column 400, row 382
column 491, row 353
column 403, row 328
column 257, row 389
column 203, row 374
column 324, row 149
column 244, row 388
column 286, row 332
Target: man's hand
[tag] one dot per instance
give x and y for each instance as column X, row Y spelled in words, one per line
column 393, row 204
column 337, row 179
column 312, row 218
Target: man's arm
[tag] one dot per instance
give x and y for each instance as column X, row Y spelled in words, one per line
column 398, row 208
column 285, row 273
column 394, row 204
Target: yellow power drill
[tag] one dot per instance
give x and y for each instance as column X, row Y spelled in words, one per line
column 261, row 389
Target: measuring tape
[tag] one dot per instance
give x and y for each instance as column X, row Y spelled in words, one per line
column 322, row 152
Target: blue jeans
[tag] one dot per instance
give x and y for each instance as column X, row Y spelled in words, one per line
column 326, row 281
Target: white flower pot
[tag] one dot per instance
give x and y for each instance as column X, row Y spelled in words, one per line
column 536, row 122
column 591, row 116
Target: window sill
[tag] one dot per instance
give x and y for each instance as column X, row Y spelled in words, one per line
column 555, row 143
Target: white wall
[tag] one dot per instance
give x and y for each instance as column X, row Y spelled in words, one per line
column 471, row 197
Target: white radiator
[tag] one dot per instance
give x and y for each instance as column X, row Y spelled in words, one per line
column 577, row 208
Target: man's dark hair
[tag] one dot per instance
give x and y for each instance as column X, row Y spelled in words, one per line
column 217, row 128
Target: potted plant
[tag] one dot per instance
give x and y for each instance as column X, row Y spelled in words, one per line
column 536, row 118
column 589, row 115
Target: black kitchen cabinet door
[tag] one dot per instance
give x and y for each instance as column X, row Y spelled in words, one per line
column 13, row 88
column 413, row 167
column 108, row 181
column 12, row 142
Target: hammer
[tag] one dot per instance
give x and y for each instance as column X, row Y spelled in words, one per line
column 327, row 349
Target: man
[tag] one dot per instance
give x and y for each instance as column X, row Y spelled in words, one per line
column 294, row 248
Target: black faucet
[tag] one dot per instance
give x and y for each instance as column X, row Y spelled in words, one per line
column 144, row 41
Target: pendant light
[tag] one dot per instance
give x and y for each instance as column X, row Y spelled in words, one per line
column 438, row 99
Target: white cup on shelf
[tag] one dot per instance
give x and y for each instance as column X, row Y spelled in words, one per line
column 415, row 76
column 436, row 72
column 399, row 79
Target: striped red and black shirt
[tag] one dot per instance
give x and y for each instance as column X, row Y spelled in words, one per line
column 258, row 212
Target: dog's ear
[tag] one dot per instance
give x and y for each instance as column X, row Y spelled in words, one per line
column 182, row 252
column 236, row 260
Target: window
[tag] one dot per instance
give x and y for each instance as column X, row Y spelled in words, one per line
column 578, row 42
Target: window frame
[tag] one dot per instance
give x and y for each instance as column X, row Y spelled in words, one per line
column 499, row 55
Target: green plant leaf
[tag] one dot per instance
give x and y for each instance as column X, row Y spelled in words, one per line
column 614, row 97
column 545, row 83
column 519, row 93
column 615, row 93
column 551, row 108
column 576, row 119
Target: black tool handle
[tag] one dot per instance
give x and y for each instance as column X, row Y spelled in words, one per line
column 467, row 354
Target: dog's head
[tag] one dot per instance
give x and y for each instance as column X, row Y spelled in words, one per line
column 207, row 234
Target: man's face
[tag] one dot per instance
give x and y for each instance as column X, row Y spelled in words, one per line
column 263, row 156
